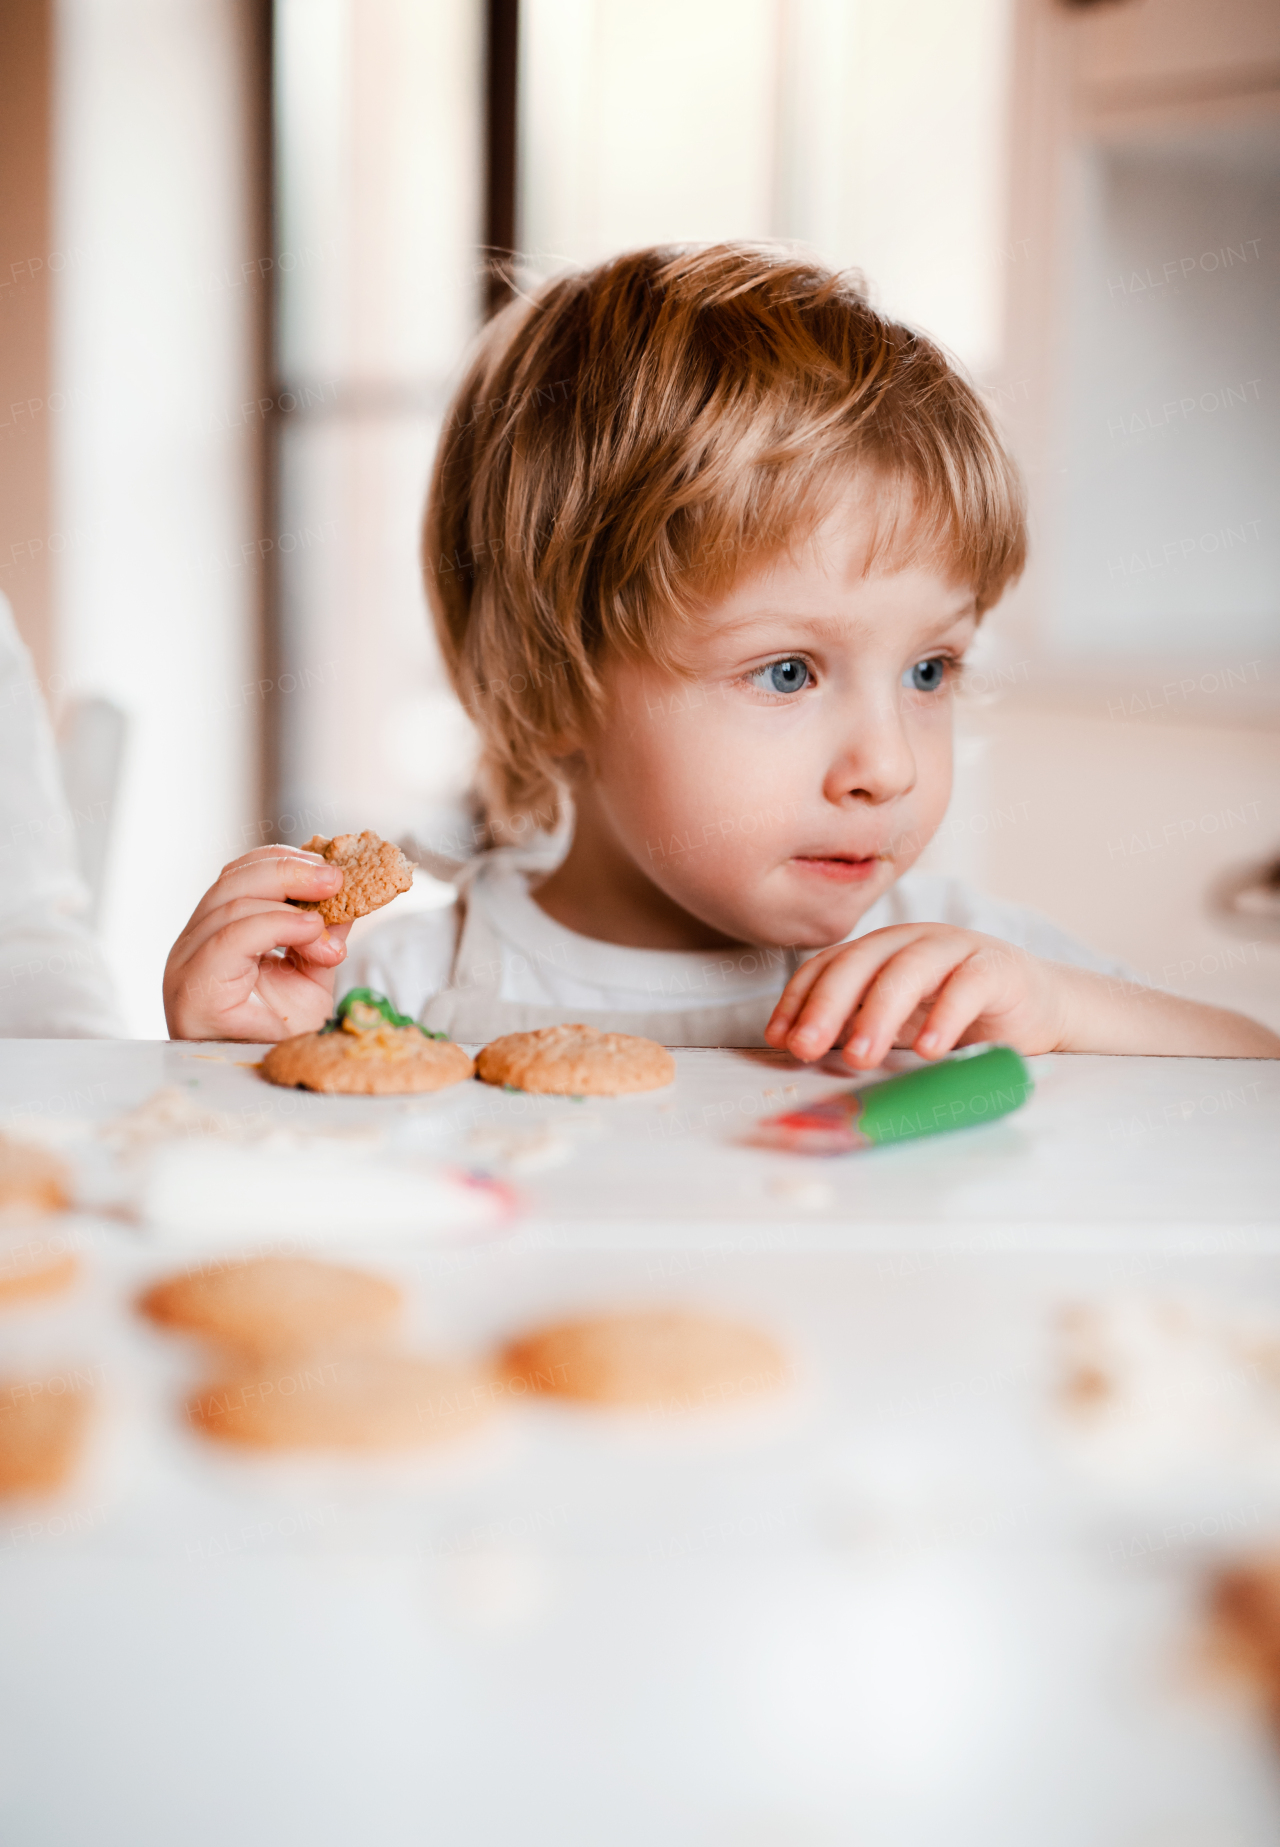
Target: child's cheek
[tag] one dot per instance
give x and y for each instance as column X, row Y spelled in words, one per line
column 717, row 772
column 704, row 764
column 931, row 796
column 935, row 751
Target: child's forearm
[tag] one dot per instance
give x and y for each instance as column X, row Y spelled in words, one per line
column 1105, row 1014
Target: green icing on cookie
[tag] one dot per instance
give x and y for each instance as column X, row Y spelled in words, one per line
column 376, row 1003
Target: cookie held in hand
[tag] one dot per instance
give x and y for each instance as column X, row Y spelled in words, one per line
column 367, row 1049
column 373, row 873
column 576, row 1061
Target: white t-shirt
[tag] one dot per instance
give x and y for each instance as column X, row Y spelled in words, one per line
column 410, row 959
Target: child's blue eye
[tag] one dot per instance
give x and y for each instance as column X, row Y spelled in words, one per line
column 927, row 676
column 789, row 676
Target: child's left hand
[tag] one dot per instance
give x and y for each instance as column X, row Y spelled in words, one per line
column 928, row 986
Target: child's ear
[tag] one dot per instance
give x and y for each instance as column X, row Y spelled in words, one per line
column 571, row 762
column 571, row 750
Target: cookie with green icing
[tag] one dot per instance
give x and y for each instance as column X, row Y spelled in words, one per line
column 367, row 1049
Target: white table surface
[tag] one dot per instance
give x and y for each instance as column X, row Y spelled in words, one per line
column 890, row 1608
column 1137, row 1148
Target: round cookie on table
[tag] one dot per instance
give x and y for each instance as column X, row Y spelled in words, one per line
column 275, row 1304
column 373, row 873
column 32, row 1180
column 669, row 1359
column 33, row 1185
column 43, row 1423
column 364, row 1401
column 367, row 1049
column 30, row 1266
column 307, row 1365
column 576, row 1061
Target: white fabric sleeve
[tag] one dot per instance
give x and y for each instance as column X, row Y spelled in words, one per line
column 53, row 980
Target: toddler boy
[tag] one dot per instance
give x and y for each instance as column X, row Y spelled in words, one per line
column 705, row 546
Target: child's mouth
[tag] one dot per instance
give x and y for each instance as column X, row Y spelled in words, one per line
column 843, row 869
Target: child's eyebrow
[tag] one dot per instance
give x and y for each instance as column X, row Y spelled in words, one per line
column 836, row 626
column 946, row 623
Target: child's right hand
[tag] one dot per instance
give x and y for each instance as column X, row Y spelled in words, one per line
column 222, row 980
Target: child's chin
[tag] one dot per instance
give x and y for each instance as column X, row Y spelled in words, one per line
column 815, row 919
column 810, row 928
column 777, row 914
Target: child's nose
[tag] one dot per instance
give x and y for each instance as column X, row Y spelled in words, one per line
column 874, row 759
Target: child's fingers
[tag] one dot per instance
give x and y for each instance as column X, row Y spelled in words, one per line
column 835, row 994
column 202, row 929
column 816, row 993
column 274, row 851
column 266, row 856
column 280, row 873
column 963, row 998
column 896, row 991
column 327, row 950
column 794, row 994
column 301, row 998
column 822, row 996
column 278, row 876
column 229, row 960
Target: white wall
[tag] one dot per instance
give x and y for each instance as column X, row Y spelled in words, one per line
column 898, row 156
column 154, row 597
column 825, row 121
column 644, row 125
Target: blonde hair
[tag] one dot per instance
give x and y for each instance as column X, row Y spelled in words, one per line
column 629, row 438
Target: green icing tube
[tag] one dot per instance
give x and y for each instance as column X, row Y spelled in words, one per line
column 953, row 1094
column 972, row 1086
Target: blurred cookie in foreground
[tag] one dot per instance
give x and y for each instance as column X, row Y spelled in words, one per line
column 367, row 1049
column 373, row 873
column 352, row 1401
column 31, row 1265
column 1152, row 1385
column 31, row 1180
column 42, row 1429
column 663, row 1359
column 576, row 1061
column 278, row 1305
column 1244, row 1607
